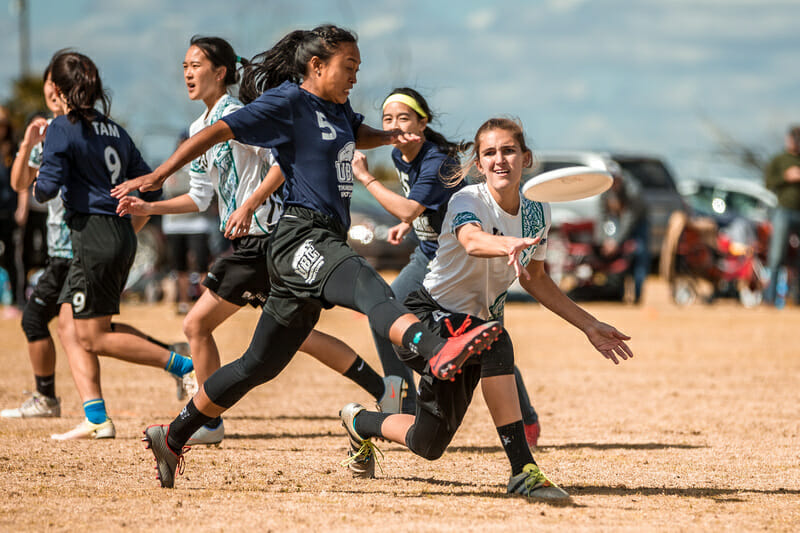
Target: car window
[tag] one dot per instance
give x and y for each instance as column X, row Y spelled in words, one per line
column 651, row 174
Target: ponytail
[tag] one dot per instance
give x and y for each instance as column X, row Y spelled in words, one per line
column 288, row 59
column 77, row 79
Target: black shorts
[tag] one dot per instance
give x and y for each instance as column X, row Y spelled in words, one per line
column 49, row 286
column 182, row 246
column 241, row 278
column 442, row 404
column 305, row 247
column 103, row 248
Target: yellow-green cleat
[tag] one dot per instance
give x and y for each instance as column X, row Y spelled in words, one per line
column 532, row 482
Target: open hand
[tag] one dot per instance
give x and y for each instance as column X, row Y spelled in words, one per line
column 609, row 342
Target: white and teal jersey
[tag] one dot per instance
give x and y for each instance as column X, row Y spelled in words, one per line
column 478, row 286
column 59, row 243
column 234, row 171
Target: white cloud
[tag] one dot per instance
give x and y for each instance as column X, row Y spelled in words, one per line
column 481, row 19
column 380, row 26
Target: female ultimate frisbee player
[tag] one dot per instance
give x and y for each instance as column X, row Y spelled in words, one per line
column 491, row 235
column 246, row 179
column 305, row 116
column 423, row 168
column 85, row 153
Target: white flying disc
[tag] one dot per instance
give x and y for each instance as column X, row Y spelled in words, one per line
column 567, row 184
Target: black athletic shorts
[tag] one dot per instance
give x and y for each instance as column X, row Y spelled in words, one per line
column 103, row 248
column 183, row 246
column 48, row 288
column 241, row 278
column 442, row 404
column 305, row 247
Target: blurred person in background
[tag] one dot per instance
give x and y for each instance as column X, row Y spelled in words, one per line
column 187, row 238
column 782, row 177
column 625, row 218
column 12, row 217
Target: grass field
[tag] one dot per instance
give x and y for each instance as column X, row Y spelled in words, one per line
column 699, row 432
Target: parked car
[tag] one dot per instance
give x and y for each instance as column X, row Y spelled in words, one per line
column 654, row 178
column 719, row 250
column 369, row 227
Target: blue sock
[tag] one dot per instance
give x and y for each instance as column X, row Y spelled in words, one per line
column 178, row 364
column 95, row 411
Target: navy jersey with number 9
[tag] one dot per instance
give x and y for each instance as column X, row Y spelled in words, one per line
column 314, row 140
column 87, row 161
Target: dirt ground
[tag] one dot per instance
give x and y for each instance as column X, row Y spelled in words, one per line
column 701, row 431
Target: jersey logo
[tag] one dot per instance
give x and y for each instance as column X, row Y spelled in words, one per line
column 439, row 315
column 344, row 169
column 307, row 261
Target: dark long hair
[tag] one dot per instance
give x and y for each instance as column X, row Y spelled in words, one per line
column 288, row 59
column 78, row 81
column 221, row 54
column 452, row 149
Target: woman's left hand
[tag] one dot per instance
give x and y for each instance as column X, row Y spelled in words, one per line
column 609, row 341
column 398, row 137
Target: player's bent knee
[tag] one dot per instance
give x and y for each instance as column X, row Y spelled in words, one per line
column 427, row 444
column 499, row 361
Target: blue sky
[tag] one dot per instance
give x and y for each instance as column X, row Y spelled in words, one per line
column 656, row 76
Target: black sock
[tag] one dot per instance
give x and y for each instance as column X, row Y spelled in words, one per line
column 214, row 423
column 420, row 340
column 366, row 378
column 513, row 438
column 46, row 385
column 368, row 423
column 183, row 427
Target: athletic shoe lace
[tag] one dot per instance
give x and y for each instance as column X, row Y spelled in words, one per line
column 460, row 330
column 535, row 476
column 181, row 463
column 367, row 448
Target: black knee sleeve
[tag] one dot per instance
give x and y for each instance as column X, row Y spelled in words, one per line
column 428, row 445
column 35, row 318
column 499, row 359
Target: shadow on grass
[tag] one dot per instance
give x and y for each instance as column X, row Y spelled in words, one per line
column 281, row 435
column 578, row 445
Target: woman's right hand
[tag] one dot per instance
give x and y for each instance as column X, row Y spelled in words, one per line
column 398, row 233
column 34, row 133
column 132, row 205
column 360, row 168
column 147, row 182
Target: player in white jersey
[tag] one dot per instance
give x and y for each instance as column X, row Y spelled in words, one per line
column 491, row 236
column 246, row 179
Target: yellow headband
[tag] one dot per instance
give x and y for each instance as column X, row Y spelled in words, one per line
column 407, row 100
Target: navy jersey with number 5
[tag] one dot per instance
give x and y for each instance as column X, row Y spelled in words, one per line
column 86, row 162
column 314, row 140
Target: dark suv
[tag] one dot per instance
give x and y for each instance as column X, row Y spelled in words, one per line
column 656, row 182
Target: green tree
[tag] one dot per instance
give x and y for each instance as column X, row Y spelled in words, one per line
column 26, row 99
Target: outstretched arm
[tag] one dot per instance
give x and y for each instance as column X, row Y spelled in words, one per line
column 605, row 338
column 188, row 151
column 478, row 243
column 368, row 137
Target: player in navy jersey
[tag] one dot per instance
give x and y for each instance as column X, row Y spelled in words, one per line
column 490, row 236
column 85, row 154
column 425, row 169
column 303, row 114
column 42, row 306
column 246, row 179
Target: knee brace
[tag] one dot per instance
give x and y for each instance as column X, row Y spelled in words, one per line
column 35, row 318
column 427, row 446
